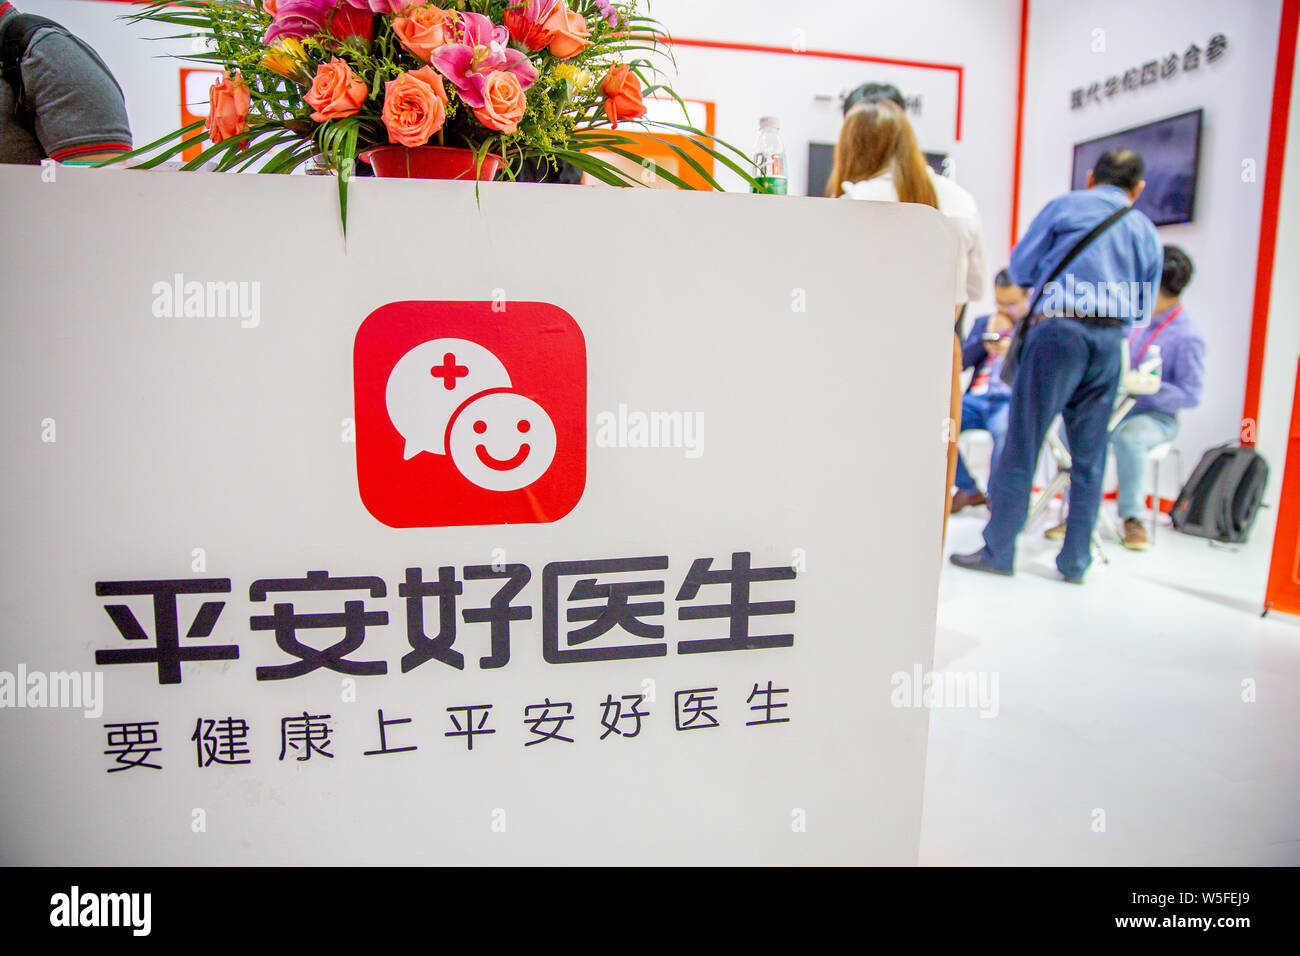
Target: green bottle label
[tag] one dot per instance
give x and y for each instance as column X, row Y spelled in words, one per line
column 772, row 185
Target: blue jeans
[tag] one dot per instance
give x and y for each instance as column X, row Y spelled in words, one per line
column 988, row 412
column 1132, row 440
column 1071, row 369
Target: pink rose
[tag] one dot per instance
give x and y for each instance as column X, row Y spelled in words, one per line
column 335, row 92
column 503, row 102
column 414, row 107
column 228, row 101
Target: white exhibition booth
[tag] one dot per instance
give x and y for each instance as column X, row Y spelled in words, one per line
column 179, row 467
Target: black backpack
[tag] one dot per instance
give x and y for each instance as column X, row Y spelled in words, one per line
column 1223, row 495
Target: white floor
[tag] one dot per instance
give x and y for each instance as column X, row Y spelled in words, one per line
column 1124, row 695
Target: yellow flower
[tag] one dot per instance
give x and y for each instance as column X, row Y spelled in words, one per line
column 287, row 58
column 577, row 78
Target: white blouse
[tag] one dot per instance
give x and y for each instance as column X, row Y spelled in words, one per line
column 958, row 206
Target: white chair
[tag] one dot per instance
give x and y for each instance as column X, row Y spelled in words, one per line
column 1156, row 456
column 1056, row 448
column 1123, row 403
column 966, row 443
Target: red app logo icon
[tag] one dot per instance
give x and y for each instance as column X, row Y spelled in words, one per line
column 469, row 416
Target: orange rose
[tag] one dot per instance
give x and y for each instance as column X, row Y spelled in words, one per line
column 336, row 91
column 569, row 31
column 414, row 107
column 427, row 74
column 423, row 29
column 504, row 102
column 622, row 89
column 228, row 101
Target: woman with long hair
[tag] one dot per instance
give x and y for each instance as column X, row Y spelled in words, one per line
column 877, row 158
column 877, row 143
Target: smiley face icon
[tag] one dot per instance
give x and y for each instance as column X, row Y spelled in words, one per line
column 501, row 440
column 430, row 382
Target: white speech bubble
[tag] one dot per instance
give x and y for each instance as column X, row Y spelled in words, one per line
column 430, row 382
column 502, row 441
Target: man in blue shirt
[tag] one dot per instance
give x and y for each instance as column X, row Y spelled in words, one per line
column 1070, row 361
column 1153, row 420
column 986, row 403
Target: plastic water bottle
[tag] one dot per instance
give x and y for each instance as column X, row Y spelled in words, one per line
column 769, row 157
column 1151, row 362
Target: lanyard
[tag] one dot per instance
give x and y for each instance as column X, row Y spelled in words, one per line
column 1159, row 328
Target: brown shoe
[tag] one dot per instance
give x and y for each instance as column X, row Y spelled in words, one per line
column 966, row 499
column 1055, row 533
column 1135, row 536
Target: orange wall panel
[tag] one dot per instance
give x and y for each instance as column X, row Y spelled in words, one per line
column 1283, row 593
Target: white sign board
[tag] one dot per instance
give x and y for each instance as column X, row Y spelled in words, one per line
column 189, row 400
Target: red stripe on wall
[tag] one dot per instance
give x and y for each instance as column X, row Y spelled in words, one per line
column 1020, row 124
column 831, row 55
column 961, row 97
column 1277, row 130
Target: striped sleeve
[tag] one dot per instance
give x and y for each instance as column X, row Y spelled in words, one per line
column 78, row 106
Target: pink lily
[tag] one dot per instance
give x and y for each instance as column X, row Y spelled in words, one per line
column 480, row 48
column 386, row 7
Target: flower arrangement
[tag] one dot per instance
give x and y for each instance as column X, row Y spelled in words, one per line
column 521, row 81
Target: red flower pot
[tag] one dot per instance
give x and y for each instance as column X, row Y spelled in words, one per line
column 429, row 162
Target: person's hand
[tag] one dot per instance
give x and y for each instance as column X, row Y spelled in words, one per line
column 1002, row 324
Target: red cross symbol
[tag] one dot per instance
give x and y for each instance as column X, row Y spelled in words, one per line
column 449, row 371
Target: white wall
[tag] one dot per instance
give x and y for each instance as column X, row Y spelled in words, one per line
column 983, row 37
column 1236, row 94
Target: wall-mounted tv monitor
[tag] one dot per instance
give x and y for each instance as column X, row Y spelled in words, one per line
column 1171, row 149
column 821, row 157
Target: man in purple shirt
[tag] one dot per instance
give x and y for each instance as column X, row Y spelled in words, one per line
column 1154, row 419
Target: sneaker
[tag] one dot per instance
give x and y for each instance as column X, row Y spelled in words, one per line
column 967, row 499
column 1056, row 533
column 1135, row 536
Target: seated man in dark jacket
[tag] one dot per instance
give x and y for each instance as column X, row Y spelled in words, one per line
column 985, row 403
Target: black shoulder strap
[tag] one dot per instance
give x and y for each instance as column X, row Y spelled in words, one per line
column 15, row 37
column 1079, row 246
